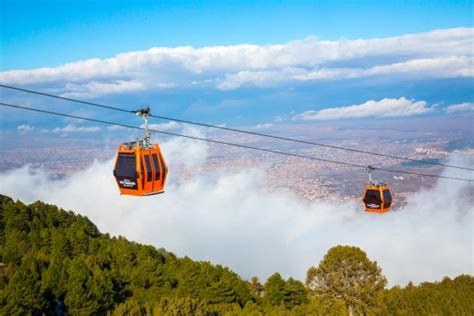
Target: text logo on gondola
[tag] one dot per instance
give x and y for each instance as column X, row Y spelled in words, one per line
column 127, row 183
column 373, row 205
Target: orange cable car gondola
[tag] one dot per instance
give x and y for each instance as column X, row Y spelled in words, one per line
column 140, row 168
column 377, row 196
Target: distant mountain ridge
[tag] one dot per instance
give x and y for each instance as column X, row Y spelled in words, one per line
column 56, row 262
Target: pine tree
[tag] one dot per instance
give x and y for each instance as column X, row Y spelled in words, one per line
column 256, row 287
column 295, row 293
column 275, row 289
column 346, row 274
column 23, row 293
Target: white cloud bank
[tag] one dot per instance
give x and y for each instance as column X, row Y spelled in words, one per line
column 401, row 107
column 232, row 220
column 450, row 67
column 438, row 54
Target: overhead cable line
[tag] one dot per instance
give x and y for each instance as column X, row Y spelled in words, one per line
column 242, row 131
column 66, row 99
column 214, row 141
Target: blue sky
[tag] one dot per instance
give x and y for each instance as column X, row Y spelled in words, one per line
column 309, row 62
column 49, row 33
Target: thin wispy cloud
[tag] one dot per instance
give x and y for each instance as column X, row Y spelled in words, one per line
column 263, row 125
column 401, row 107
column 97, row 88
column 70, row 128
column 437, row 54
column 114, row 128
column 24, row 128
column 461, row 107
column 172, row 125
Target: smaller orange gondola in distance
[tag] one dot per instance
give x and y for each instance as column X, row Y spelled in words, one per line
column 377, row 196
column 140, row 168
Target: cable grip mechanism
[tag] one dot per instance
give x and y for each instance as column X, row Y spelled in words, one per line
column 144, row 113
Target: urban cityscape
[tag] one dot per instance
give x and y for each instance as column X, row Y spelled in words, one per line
column 308, row 179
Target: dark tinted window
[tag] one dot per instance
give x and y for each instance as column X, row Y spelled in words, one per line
column 387, row 198
column 157, row 167
column 148, row 168
column 372, row 199
column 126, row 166
column 163, row 168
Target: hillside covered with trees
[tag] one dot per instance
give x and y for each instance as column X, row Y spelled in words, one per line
column 55, row 262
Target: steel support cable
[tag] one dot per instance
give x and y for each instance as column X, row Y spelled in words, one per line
column 243, row 131
column 231, row 144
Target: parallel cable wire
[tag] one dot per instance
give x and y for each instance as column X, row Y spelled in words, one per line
column 232, row 144
column 66, row 99
column 240, row 130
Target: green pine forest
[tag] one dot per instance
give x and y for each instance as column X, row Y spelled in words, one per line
column 55, row 262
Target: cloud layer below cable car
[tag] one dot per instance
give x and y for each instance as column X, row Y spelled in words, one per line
column 438, row 54
column 231, row 219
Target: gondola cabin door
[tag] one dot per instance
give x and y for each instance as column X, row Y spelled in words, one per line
column 160, row 170
column 147, row 172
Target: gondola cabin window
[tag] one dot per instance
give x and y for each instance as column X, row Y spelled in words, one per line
column 387, row 199
column 372, row 199
column 157, row 167
column 126, row 166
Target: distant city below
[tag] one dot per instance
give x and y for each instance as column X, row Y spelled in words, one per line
column 310, row 180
